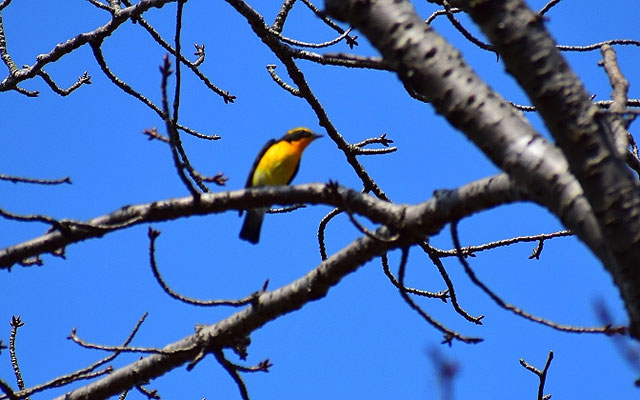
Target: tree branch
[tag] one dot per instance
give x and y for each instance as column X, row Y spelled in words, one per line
column 433, row 69
column 423, row 219
column 584, row 135
column 97, row 35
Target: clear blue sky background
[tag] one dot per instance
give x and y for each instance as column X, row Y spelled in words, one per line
column 361, row 341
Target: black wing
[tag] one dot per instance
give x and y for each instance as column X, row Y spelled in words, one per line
column 255, row 165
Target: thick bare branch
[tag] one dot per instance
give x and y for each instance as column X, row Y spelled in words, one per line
column 423, row 219
column 267, row 307
column 584, row 134
column 428, row 65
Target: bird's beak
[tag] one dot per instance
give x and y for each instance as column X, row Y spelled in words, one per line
column 316, row 136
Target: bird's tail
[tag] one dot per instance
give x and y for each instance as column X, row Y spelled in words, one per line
column 252, row 223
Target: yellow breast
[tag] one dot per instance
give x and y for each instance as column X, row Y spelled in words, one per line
column 278, row 164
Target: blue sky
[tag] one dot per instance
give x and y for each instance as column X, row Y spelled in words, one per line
column 361, row 341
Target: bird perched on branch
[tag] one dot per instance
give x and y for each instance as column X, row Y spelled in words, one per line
column 277, row 164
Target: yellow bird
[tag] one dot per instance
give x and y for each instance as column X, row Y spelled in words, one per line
column 277, row 164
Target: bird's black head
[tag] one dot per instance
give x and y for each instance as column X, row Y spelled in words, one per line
column 300, row 133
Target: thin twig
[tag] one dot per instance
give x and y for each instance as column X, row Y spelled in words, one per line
column 153, row 134
column 4, row 53
column 271, row 68
column 33, row 218
column 15, row 324
column 542, row 375
column 548, row 7
column 97, row 53
column 522, row 107
column 84, row 373
column 153, row 235
column 28, row 93
column 284, row 210
column 84, row 79
column 262, row 366
column 382, row 139
column 322, row 227
column 233, row 372
column 19, row 179
column 358, row 148
column 311, row 45
column 370, row 152
column 94, row 37
column 442, row 295
column 176, row 95
column 151, row 394
column 124, row 349
column 174, row 137
column 278, row 24
column 449, row 335
column 200, row 53
column 180, row 158
column 597, row 46
column 606, row 104
column 438, row 13
column 450, row 288
column 607, row 330
column 466, row 33
column 351, row 41
column 471, row 250
column 342, row 60
column 100, row 5
column 193, row 66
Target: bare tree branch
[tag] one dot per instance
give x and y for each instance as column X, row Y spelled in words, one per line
column 429, row 66
column 423, row 219
column 583, row 135
column 95, row 36
column 607, row 329
column 153, row 235
column 16, row 323
column 542, row 375
column 267, row 307
column 19, row 179
column 449, row 334
column 84, row 79
column 84, row 373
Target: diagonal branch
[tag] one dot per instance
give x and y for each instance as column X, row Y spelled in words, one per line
column 582, row 132
column 431, row 67
column 193, row 66
column 267, row 307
